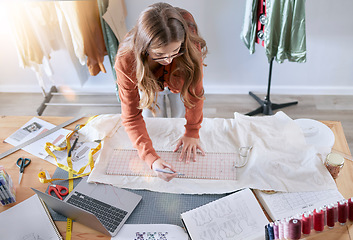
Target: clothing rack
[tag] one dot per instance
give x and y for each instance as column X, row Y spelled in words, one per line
column 266, row 106
column 54, row 92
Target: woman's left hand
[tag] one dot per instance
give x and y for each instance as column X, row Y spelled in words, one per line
column 190, row 147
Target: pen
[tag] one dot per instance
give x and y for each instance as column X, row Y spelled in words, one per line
column 7, row 198
column 2, row 198
column 167, row 171
column 72, row 147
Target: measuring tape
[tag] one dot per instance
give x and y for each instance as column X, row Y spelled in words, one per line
column 69, row 168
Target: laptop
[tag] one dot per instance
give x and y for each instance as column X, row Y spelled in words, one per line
column 99, row 206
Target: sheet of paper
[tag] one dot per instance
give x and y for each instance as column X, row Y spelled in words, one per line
column 236, row 216
column 36, row 126
column 27, row 220
column 283, row 205
column 151, row 231
column 33, row 128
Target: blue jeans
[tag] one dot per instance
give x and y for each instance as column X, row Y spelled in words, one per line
column 176, row 105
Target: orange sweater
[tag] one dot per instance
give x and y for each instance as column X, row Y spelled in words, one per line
column 132, row 118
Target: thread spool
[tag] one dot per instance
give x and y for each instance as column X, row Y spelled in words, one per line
column 271, row 235
column 266, row 232
column 350, row 209
column 330, row 216
column 306, row 221
column 342, row 212
column 324, row 209
column 335, row 206
column 275, row 230
column 286, row 228
column 295, row 229
column 319, row 220
column 280, row 230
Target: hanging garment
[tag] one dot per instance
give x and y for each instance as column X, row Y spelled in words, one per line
column 36, row 35
column 73, row 39
column 115, row 17
column 111, row 42
column 284, row 29
column 91, row 29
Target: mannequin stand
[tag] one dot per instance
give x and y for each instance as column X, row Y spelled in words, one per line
column 266, row 106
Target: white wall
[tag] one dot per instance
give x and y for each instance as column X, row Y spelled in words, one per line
column 231, row 69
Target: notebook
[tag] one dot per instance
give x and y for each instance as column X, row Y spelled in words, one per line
column 236, row 216
column 28, row 219
column 282, row 205
column 99, row 206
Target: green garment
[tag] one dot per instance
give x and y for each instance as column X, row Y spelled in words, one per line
column 111, row 42
column 284, row 35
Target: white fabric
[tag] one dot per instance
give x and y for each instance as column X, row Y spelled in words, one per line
column 280, row 159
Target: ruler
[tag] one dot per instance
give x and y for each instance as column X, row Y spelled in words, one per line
column 213, row 165
column 36, row 138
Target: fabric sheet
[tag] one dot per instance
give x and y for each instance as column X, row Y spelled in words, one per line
column 280, row 159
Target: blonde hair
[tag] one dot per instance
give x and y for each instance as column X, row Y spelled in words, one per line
column 157, row 26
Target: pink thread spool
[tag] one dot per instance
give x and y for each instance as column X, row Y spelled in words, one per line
column 306, row 220
column 342, row 212
column 330, row 216
column 295, row 229
column 350, row 209
column 319, row 220
column 276, row 230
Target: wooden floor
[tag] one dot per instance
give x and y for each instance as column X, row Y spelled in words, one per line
column 318, row 107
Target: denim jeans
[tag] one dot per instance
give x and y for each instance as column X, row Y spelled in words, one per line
column 177, row 107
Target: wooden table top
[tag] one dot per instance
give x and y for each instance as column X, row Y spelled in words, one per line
column 10, row 124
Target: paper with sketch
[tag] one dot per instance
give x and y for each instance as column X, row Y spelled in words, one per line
column 236, row 216
column 151, row 231
column 33, row 128
column 280, row 158
column 282, row 205
column 28, row 220
column 36, row 126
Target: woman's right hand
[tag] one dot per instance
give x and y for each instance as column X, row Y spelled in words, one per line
column 160, row 164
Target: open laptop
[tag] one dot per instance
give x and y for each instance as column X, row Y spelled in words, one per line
column 99, row 206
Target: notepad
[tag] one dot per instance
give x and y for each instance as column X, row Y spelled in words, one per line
column 236, row 216
column 282, row 205
column 28, row 220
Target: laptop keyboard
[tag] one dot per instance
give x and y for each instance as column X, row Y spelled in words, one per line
column 109, row 216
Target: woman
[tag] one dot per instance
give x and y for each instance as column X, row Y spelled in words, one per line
column 163, row 52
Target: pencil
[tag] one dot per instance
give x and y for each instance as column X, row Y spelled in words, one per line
column 167, row 171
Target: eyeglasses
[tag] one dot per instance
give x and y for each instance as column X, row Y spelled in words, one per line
column 181, row 52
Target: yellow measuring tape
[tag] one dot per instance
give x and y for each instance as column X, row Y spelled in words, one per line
column 69, row 168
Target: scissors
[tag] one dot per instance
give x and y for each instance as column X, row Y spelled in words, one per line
column 22, row 163
column 58, row 189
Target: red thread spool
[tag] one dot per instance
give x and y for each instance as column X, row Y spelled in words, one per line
column 306, row 220
column 330, row 216
column 319, row 220
column 295, row 229
column 342, row 212
column 350, row 209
